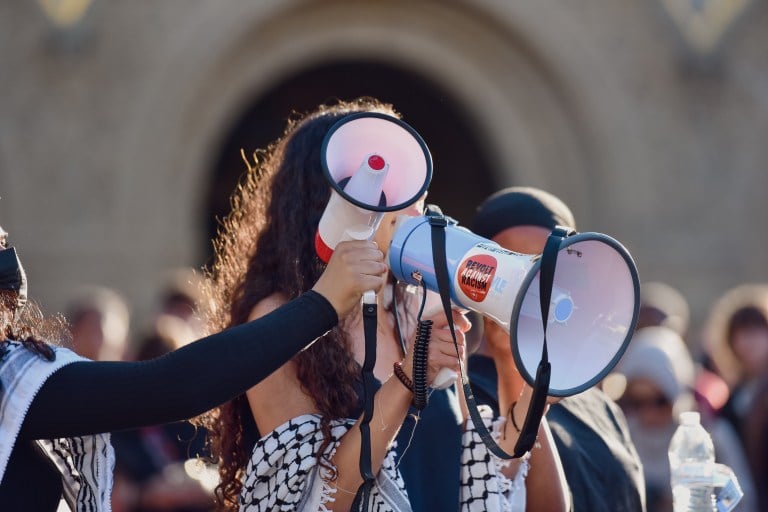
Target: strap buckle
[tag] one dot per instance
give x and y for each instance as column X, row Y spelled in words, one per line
column 435, row 216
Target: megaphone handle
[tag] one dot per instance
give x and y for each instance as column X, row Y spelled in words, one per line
column 369, row 297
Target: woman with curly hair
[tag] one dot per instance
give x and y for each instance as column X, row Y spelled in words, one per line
column 293, row 441
column 55, row 404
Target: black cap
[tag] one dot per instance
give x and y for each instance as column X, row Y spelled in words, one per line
column 520, row 206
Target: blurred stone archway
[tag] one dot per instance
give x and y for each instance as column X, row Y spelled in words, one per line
column 462, row 173
column 502, row 102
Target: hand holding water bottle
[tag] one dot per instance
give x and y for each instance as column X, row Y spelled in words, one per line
column 695, row 476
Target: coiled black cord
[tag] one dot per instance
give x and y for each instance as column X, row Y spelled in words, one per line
column 421, row 357
column 420, row 361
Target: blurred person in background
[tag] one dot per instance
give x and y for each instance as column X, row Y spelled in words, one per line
column 755, row 431
column 736, row 337
column 662, row 305
column 162, row 467
column 659, row 374
column 180, row 298
column 602, row 468
column 55, row 405
column 99, row 319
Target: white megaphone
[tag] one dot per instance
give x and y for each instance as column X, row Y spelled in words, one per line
column 593, row 307
column 375, row 163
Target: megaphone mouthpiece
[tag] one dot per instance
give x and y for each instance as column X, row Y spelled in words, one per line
column 345, row 221
column 367, row 182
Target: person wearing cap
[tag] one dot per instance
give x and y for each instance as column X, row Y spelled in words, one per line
column 602, row 468
column 663, row 305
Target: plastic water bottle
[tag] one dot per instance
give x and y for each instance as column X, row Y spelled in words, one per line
column 692, row 461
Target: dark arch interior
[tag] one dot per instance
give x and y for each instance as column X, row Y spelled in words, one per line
column 462, row 176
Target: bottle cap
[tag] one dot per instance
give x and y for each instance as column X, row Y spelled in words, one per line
column 690, row 418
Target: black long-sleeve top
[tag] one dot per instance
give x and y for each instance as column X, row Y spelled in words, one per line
column 90, row 397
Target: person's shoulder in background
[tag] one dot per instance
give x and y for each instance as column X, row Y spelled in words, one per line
column 601, row 464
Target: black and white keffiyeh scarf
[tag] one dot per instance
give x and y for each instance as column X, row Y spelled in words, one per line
column 484, row 488
column 86, row 463
column 284, row 473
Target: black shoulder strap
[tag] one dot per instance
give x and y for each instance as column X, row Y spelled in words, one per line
column 541, row 385
column 369, row 328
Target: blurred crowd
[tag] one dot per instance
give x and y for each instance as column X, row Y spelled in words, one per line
column 721, row 372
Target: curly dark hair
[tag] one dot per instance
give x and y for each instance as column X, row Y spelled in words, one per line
column 266, row 246
column 35, row 331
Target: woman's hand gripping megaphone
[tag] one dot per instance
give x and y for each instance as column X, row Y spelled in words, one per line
column 356, row 267
column 433, row 310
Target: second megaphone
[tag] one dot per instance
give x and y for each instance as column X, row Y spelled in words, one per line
column 593, row 308
column 375, row 163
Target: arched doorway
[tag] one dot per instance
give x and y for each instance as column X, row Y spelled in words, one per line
column 462, row 176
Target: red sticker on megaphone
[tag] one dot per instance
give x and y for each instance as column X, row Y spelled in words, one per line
column 475, row 276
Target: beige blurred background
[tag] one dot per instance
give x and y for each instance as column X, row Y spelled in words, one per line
column 121, row 123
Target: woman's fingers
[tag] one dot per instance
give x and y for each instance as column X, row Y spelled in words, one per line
column 365, row 259
column 442, row 351
column 354, row 268
column 460, row 321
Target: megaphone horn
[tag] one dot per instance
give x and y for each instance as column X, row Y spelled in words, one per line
column 592, row 311
column 375, row 163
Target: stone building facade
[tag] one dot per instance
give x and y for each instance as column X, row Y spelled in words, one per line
column 112, row 126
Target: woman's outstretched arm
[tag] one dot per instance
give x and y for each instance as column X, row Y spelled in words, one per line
column 89, row 397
